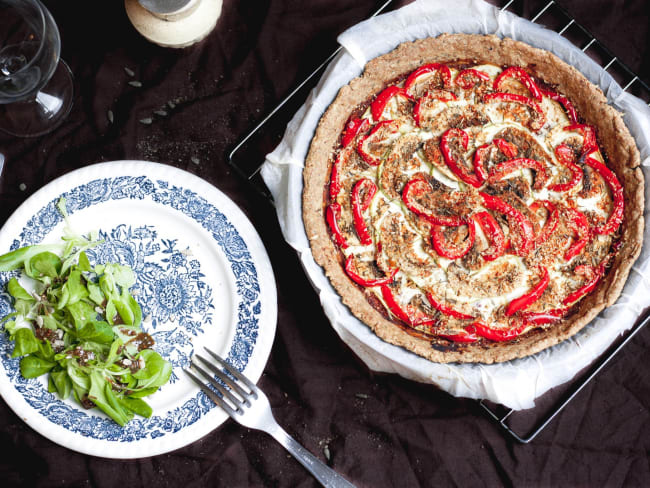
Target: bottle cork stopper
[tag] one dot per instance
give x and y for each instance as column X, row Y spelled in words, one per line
column 173, row 23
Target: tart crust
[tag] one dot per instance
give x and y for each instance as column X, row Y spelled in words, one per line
column 614, row 139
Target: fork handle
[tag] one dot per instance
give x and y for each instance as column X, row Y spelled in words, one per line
column 325, row 475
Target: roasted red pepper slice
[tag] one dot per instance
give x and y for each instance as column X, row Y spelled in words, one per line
column 457, row 169
column 493, row 231
column 588, row 136
column 469, row 77
column 371, row 159
column 529, row 298
column 499, row 334
column 332, row 214
column 468, row 335
column 442, row 95
column 513, row 97
column 525, row 227
column 362, row 194
column 335, row 184
column 507, row 148
column 616, row 217
column 522, row 76
column 395, row 309
column 479, row 165
column 579, row 223
column 596, row 273
column 448, row 250
column 566, row 158
column 352, row 129
column 379, row 104
column 511, row 165
column 350, row 269
column 546, row 317
column 565, row 102
column 446, row 309
column 418, row 186
column 551, row 221
column 429, row 68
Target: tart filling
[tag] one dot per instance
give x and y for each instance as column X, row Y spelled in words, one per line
column 471, row 204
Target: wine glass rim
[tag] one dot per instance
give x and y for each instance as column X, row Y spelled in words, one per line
column 44, row 14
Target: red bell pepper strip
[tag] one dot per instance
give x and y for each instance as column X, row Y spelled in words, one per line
column 469, row 77
column 588, row 136
column 442, row 95
column 379, row 104
column 511, row 165
column 579, row 223
column 596, row 274
column 498, row 334
column 395, row 309
column 441, row 307
column 507, row 148
column 551, row 221
column 494, row 233
column 418, row 186
column 566, row 158
column 546, row 317
column 468, row 335
column 529, row 298
column 448, row 250
column 522, row 76
column 429, row 68
column 565, row 102
column 616, row 217
column 367, row 157
column 457, row 169
column 360, row 280
column 335, row 184
column 525, row 227
column 359, row 205
column 479, row 165
column 332, row 214
column 513, row 97
column 352, row 129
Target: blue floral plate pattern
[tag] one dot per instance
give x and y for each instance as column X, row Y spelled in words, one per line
column 203, row 278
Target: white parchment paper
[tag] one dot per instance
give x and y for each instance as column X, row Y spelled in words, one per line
column 516, row 383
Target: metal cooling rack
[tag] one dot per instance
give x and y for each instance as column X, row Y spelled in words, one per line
column 552, row 16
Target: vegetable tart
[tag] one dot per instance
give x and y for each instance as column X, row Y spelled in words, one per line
column 473, row 199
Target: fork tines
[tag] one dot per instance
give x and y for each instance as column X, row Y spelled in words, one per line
column 233, row 387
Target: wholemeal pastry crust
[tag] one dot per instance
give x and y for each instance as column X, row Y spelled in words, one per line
column 614, row 139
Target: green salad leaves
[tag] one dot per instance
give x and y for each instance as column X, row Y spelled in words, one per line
column 80, row 324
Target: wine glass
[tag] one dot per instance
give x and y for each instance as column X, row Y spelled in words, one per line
column 35, row 85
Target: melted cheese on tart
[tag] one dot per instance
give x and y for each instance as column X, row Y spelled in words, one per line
column 481, row 289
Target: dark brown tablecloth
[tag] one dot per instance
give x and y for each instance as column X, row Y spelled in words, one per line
column 380, row 430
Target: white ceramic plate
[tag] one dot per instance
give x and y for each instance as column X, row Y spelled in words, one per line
column 203, row 279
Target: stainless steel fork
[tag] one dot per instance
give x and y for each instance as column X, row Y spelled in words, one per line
column 250, row 407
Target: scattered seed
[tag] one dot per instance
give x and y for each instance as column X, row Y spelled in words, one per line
column 146, row 120
column 162, row 113
column 363, row 396
column 22, row 187
column 129, row 72
column 109, row 116
column 326, row 452
column 135, row 83
column 196, row 161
